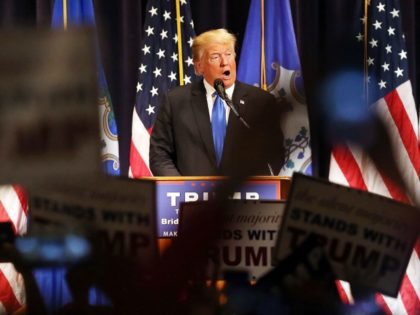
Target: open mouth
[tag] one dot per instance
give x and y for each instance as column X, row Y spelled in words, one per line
column 226, row 73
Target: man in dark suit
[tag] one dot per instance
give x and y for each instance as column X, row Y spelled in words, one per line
column 197, row 133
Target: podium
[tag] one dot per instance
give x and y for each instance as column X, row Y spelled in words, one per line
column 170, row 192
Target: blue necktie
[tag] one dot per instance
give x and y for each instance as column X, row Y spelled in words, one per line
column 218, row 124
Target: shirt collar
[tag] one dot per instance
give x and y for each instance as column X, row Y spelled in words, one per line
column 210, row 89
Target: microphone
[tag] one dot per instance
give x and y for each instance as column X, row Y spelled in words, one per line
column 219, row 86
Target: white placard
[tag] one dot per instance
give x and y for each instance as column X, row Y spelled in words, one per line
column 48, row 106
column 248, row 236
column 367, row 238
column 118, row 212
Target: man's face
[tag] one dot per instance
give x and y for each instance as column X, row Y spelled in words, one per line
column 218, row 62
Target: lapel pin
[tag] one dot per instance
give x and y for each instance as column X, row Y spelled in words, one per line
column 242, row 102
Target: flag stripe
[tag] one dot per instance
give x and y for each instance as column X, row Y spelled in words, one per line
column 11, row 208
column 396, row 305
column 4, row 215
column 343, row 289
column 339, row 177
column 349, row 167
column 138, row 167
column 406, row 155
column 406, row 130
column 139, row 150
column 395, row 192
column 405, row 94
column 417, row 248
column 414, row 271
column 371, row 177
column 20, row 192
column 408, row 296
column 380, row 300
column 11, row 284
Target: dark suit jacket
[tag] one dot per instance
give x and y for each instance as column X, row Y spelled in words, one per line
column 182, row 143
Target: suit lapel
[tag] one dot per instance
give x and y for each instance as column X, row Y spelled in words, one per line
column 239, row 98
column 201, row 113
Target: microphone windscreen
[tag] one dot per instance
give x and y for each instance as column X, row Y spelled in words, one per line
column 219, row 86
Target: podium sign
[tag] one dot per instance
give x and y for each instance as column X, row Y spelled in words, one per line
column 170, row 192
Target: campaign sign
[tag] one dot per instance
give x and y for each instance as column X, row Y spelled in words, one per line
column 117, row 212
column 48, row 106
column 247, row 237
column 170, row 194
column 367, row 238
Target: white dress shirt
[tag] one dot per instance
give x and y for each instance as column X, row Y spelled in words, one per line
column 211, row 97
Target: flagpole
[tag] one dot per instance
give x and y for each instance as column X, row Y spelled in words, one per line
column 65, row 15
column 365, row 53
column 263, row 74
column 179, row 36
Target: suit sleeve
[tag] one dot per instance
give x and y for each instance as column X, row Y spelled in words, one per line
column 274, row 135
column 162, row 154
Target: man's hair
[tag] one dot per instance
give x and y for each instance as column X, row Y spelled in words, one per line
column 217, row 36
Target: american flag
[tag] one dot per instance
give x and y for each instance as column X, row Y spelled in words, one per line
column 159, row 71
column 390, row 95
column 14, row 209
